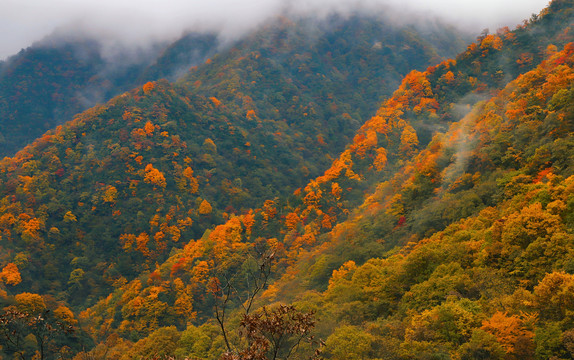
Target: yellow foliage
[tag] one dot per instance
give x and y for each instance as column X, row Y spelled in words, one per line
column 205, row 208
column 347, row 268
column 30, row 303
column 70, row 217
column 409, row 139
column 209, row 146
column 110, row 195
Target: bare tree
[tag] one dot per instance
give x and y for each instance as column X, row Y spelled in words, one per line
column 268, row 334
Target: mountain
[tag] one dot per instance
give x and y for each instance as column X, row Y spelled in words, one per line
column 461, row 243
column 124, row 183
column 441, row 229
column 48, row 83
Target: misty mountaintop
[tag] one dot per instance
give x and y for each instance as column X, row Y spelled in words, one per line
column 46, row 84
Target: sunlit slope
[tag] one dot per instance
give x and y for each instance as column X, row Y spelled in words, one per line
column 495, row 283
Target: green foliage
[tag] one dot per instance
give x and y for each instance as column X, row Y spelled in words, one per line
column 349, row 342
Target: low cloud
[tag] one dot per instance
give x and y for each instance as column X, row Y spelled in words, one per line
column 140, row 23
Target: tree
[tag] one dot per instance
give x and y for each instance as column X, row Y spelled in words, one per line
column 270, row 333
column 409, row 140
column 482, row 345
column 512, row 334
column 274, row 333
column 154, row 176
column 349, row 342
column 10, row 274
column 205, row 208
column 18, row 327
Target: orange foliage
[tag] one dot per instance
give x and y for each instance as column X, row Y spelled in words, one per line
column 11, row 275
column 141, row 244
column 226, row 237
column 448, row 77
column 336, row 190
column 31, row 227
column 149, row 86
column 250, row 115
column 215, row 101
column 491, row 42
column 510, row 332
column 149, row 128
column 127, row 240
column 409, row 139
column 248, row 221
column 291, row 221
column 364, row 142
column 269, row 210
column 65, row 315
column 193, row 183
column 205, row 208
column 154, row 176
column 314, row 194
column 381, row 160
column 327, row 222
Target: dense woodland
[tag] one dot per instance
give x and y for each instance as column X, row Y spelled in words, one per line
column 263, row 207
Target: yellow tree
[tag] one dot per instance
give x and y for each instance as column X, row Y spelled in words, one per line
column 205, row 208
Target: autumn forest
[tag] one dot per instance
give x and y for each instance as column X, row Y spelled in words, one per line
column 337, row 188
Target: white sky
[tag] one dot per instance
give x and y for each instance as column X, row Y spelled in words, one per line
column 23, row 22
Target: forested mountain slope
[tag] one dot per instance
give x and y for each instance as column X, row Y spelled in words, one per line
column 105, row 196
column 455, row 254
column 48, row 83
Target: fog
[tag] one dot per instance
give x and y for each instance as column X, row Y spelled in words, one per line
column 143, row 22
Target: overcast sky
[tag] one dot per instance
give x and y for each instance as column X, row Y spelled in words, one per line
column 23, row 22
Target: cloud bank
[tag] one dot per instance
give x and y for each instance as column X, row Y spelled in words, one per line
column 139, row 23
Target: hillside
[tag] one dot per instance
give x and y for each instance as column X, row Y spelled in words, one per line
column 442, row 229
column 457, row 250
column 48, row 83
column 108, row 194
